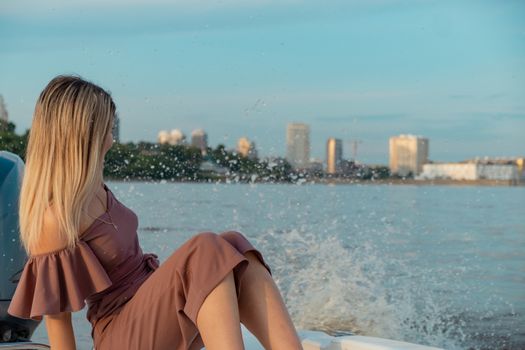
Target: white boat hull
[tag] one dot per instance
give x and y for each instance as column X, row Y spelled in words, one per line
column 313, row 340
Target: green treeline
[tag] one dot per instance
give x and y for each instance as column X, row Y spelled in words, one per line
column 10, row 141
column 153, row 161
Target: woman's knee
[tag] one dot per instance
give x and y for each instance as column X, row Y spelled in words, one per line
column 204, row 239
column 210, row 242
column 207, row 236
column 233, row 237
column 241, row 243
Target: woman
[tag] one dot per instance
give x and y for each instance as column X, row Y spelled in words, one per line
column 82, row 246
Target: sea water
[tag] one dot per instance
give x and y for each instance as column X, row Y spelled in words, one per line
column 434, row 265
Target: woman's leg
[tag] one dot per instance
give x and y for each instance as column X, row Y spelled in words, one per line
column 262, row 309
column 218, row 318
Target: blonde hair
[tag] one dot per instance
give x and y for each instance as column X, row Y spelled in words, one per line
column 64, row 160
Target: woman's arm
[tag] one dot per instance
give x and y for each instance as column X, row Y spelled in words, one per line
column 60, row 331
column 59, row 326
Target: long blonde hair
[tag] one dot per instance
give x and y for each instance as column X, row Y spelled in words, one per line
column 64, row 160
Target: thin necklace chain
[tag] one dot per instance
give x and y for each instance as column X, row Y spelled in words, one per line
column 107, row 211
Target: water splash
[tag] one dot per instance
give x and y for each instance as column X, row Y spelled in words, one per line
column 340, row 288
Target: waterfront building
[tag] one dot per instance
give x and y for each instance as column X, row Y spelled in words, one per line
column 497, row 160
column 349, row 168
column 408, row 154
column 470, row 171
column 177, row 137
column 520, row 163
column 334, row 155
column 315, row 167
column 173, row 137
column 199, row 139
column 246, row 148
column 163, row 137
column 3, row 110
column 298, row 145
column 207, row 166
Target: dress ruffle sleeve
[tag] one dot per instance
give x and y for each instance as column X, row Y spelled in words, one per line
column 58, row 282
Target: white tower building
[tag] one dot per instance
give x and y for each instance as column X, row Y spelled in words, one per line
column 298, row 145
column 176, row 137
column 246, row 148
column 334, row 155
column 408, row 154
column 199, row 139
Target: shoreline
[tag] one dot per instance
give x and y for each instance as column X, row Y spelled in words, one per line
column 343, row 181
column 435, row 182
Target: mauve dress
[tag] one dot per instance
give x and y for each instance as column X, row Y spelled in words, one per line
column 133, row 303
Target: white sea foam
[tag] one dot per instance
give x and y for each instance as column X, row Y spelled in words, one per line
column 340, row 288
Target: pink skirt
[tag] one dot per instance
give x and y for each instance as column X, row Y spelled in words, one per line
column 163, row 312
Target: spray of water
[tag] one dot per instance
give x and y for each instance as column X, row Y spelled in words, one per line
column 348, row 288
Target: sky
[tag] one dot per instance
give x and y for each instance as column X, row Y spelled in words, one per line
column 451, row 71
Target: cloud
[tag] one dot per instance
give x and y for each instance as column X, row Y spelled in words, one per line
column 489, row 97
column 496, row 96
column 501, row 116
column 49, row 7
column 364, row 117
column 460, row 96
column 118, row 17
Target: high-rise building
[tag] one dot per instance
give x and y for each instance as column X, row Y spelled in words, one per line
column 520, row 163
column 173, row 137
column 408, row 153
column 334, row 155
column 246, row 148
column 298, row 145
column 177, row 137
column 3, row 110
column 116, row 129
column 163, row 137
column 199, row 139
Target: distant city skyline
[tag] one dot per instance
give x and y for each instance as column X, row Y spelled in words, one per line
column 353, row 70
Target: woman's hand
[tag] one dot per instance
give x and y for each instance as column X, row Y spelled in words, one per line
column 60, row 331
